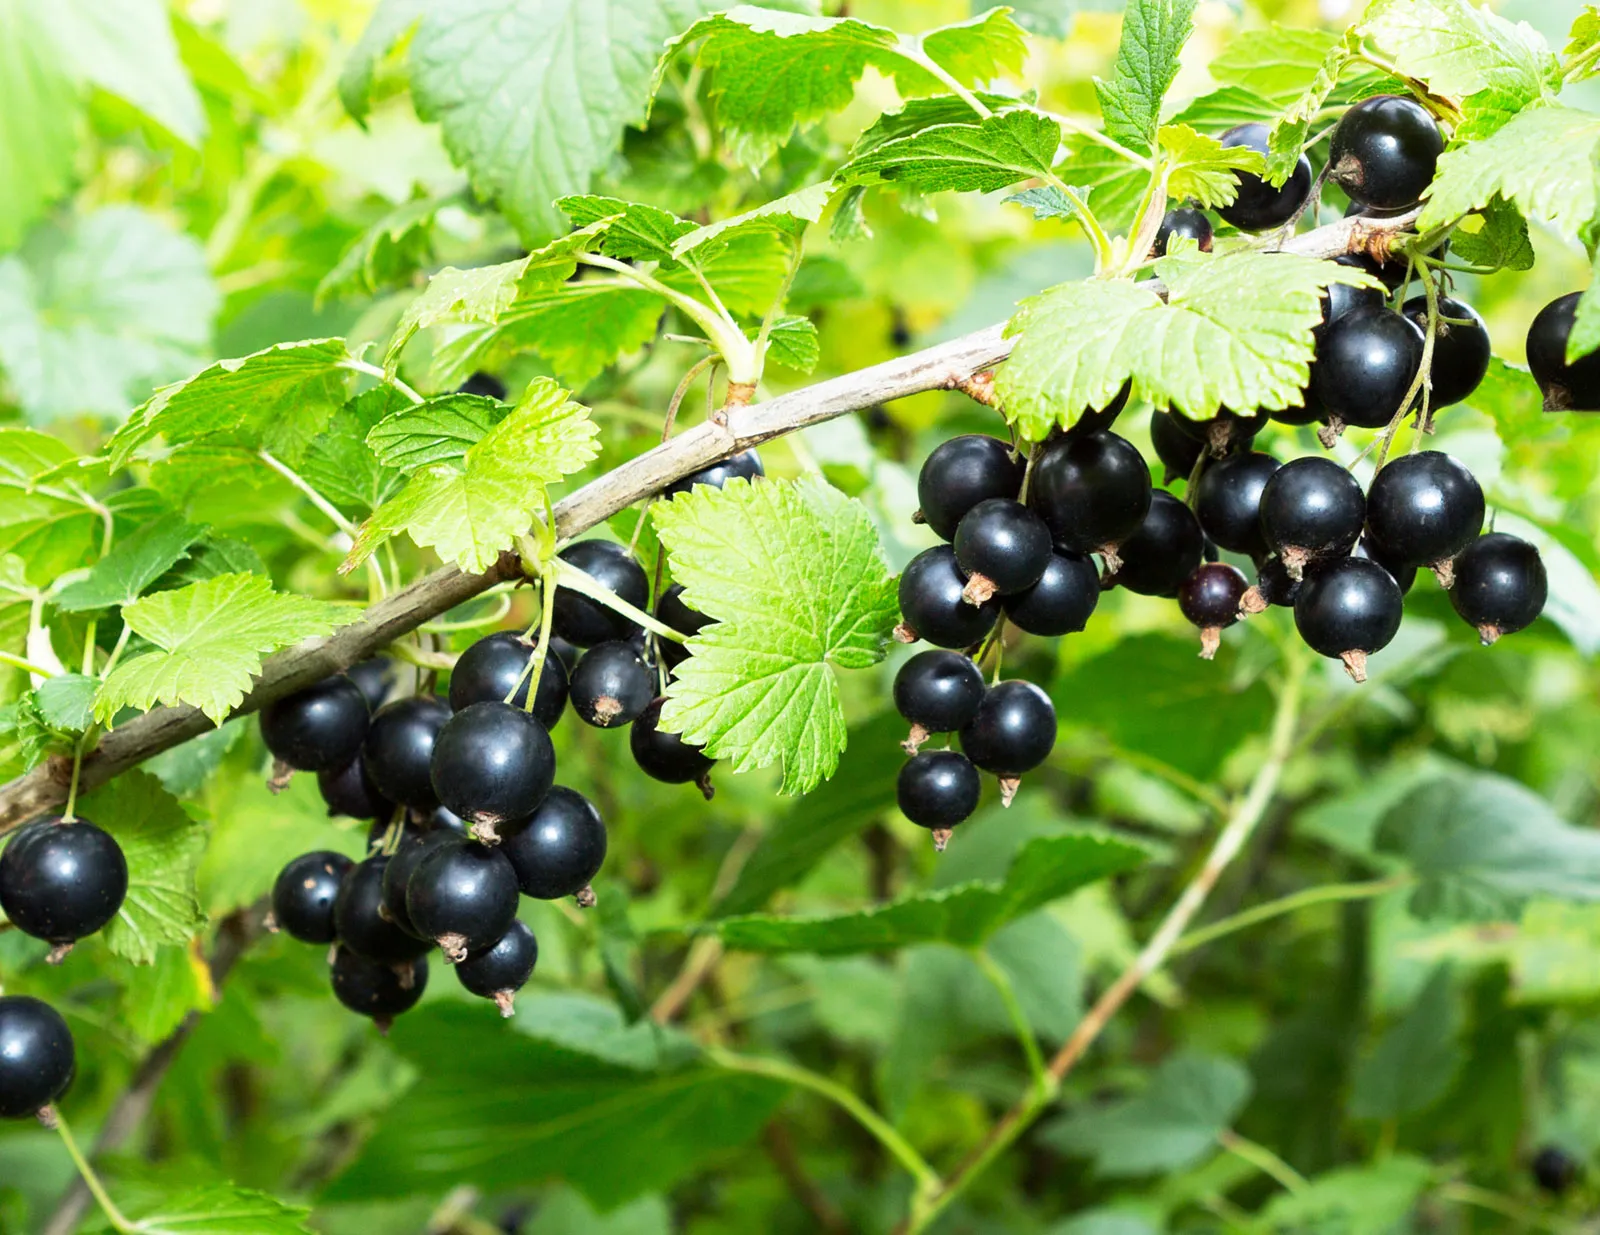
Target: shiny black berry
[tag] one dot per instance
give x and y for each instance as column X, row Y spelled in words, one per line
column 1177, row 451
column 319, row 727
column 671, row 611
column 502, row 969
column 962, row 472
column 1228, row 501
column 414, row 845
column 462, row 895
column 492, row 763
column 1500, row 585
column 1423, row 509
column 1261, row 206
column 1222, row 434
column 349, row 791
column 1384, row 152
column 360, row 922
column 485, row 384
column 1012, row 733
column 1186, row 222
column 611, row 685
column 666, row 756
column 1366, row 362
column 399, row 749
column 1091, row 491
column 1274, row 585
column 303, row 896
column 560, row 849
column 376, row 989
column 1062, row 601
column 37, row 1060
column 585, row 622
column 932, row 605
column 1164, row 551
column 937, row 692
column 1340, row 298
column 746, row 465
column 1461, row 348
column 494, row 665
column 62, row 881
column 1347, row 610
column 1002, row 547
column 1097, row 420
column 1210, row 599
column 1555, row 1170
column 374, row 678
column 938, row 789
column 1404, row 575
column 1567, row 387
column 1311, row 510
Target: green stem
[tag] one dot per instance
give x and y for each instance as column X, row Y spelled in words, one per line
column 305, row 488
column 1026, row 1038
column 372, row 370
column 26, row 665
column 1578, row 63
column 117, row 650
column 1084, row 129
column 1091, row 224
column 1328, row 893
column 1263, row 1159
column 1482, row 1198
column 777, row 304
column 547, row 616
column 569, row 576
column 91, row 1180
column 912, row 50
column 721, row 329
column 77, row 771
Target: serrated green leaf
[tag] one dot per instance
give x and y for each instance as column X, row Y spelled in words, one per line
column 38, row 119
column 134, row 563
column 1201, row 168
column 1584, row 37
column 1555, row 957
column 1496, row 237
column 787, row 215
column 52, row 529
column 966, row 915
column 1356, row 1200
column 1416, row 1059
column 999, row 151
column 221, row 1209
column 1275, row 64
column 1048, row 202
column 341, row 466
column 211, row 637
column 1288, row 138
column 1153, row 33
column 793, row 343
column 16, row 613
column 441, row 430
column 1227, row 107
column 794, row 577
column 384, row 256
column 631, row 231
column 391, row 22
column 1115, row 185
column 66, row 702
column 155, row 1002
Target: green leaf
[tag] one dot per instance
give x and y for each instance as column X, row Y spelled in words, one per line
column 1153, row 33
column 631, row 231
column 1171, row 1125
column 66, row 702
column 1001, row 150
column 162, row 845
column 1585, row 335
column 793, row 343
column 220, row 1209
column 1227, row 107
column 392, row 21
column 134, row 563
column 1044, row 870
column 1496, row 237
column 786, row 215
column 794, row 577
column 384, row 256
column 1416, row 1060
column 38, row 119
column 1354, row 1200
column 341, row 466
column 441, row 430
column 211, row 637
column 1115, row 185
column 1292, row 129
column 154, row 1003
column 1048, row 202
column 1555, row 956
column 1233, row 333
column 1583, row 37
column 1482, row 846
column 1199, row 167
column 50, row 528
column 1274, row 64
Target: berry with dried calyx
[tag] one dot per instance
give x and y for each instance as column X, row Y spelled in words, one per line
column 375, row 989
column 502, row 969
column 1002, row 547
column 611, row 685
column 1012, row 733
column 746, row 465
column 560, row 849
column 492, row 763
column 37, row 1057
column 1177, row 450
column 304, row 895
column 1273, row 586
column 1461, row 349
column 463, row 896
column 319, row 727
column 498, row 664
column 1092, row 491
column 398, row 752
column 1063, row 599
column 1163, row 552
column 666, row 756
column 937, row 692
column 361, row 923
column 1366, row 363
column 1228, row 501
column 62, row 880
column 1384, row 152
column 1423, row 509
column 1573, row 387
column 583, row 621
column 1311, row 510
column 1347, row 611
column 962, row 472
column 933, row 605
column 1222, row 434
column 1500, row 585
column 1260, row 206
column 1210, row 599
column 937, row 790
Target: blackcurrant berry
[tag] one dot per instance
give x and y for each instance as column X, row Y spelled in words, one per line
column 1062, row 601
column 1177, row 451
column 1311, row 510
column 62, row 881
column 462, row 895
column 1500, row 585
column 374, row 678
column 1460, row 348
column 1259, row 205
column 746, row 465
column 499, row 971
column 962, row 472
column 319, row 727
column 585, row 622
column 1187, row 222
column 485, row 384
column 1158, row 557
column 414, row 845
column 349, row 791
column 399, row 749
column 303, row 896
column 1223, row 433
column 671, row 611
column 37, row 1060
column 932, row 606
column 1340, row 298
column 1002, row 547
column 560, row 849
column 492, row 763
column 443, row 819
column 1228, row 501
column 1347, row 610
column 937, row 790
column 1567, row 388
column 1555, row 1170
column 666, row 756
column 1404, row 575
column 1210, row 599
column 1097, row 420
column 494, row 665
column 360, row 922
column 1366, row 362
column 937, row 692
column 377, row 989
column 1423, row 509
column 1273, row 586
column 1384, row 152
column 611, row 685
column 1013, row 732
column 1091, row 491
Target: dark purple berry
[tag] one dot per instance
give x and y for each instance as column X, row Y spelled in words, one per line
column 1177, row 451
column 1165, row 550
column 1274, row 585
column 494, row 665
column 611, row 685
column 1555, row 1170
column 349, row 791
column 1259, row 205
column 585, row 622
column 377, row 989
column 932, row 604
column 937, row 790
column 937, row 692
column 1340, row 298
column 303, row 896
column 1186, row 222
column 374, row 678
column 1228, row 501
column 746, row 465
column 1423, row 509
column 1404, row 575
column 362, row 925
column 499, row 971
column 962, row 472
column 492, row 763
column 1347, row 610
column 1567, row 387
column 1210, row 599
column 1461, row 348
column 463, row 896
column 1098, row 420
column 37, row 1058
column 666, row 756
column 1311, row 510
column 1002, row 547
column 560, row 849
column 1012, row 733
column 1222, row 434
column 408, row 854
column 1062, row 601
column 319, row 727
column 1366, row 362
column 1384, row 152
column 399, row 749
column 1500, row 585
column 1091, row 491
column 485, row 384
column 62, row 881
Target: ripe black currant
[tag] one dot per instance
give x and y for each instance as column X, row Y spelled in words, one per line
column 497, row 663
column 492, row 763
column 746, row 465
column 1402, row 574
column 303, row 896
column 1460, row 348
column 1228, row 501
column 377, row 989
column 1013, row 732
column 611, row 685
column 1002, row 547
column 399, row 749
column 671, row 611
column 1347, row 610
column 932, row 606
column 1567, row 388
column 361, row 924
column 962, row 472
column 485, row 384
column 1092, row 491
column 1311, row 510
column 1340, row 298
column 374, row 678
column 1210, row 599
column 1273, row 586
column 937, row 692
column 1366, row 362
column 349, row 791
column 1500, row 585
column 1063, row 599
column 37, row 1060
column 462, row 895
column 666, row 756
column 560, row 849
column 1261, row 206
column 1177, row 451
column 1555, row 1170
column 1093, row 420
column 413, row 846
column 585, row 622
column 937, row 790
column 1223, row 433
column 319, row 727
column 1423, row 509
column 1164, row 551
column 499, row 971
column 61, row 881
column 1187, row 222
column 1384, row 152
